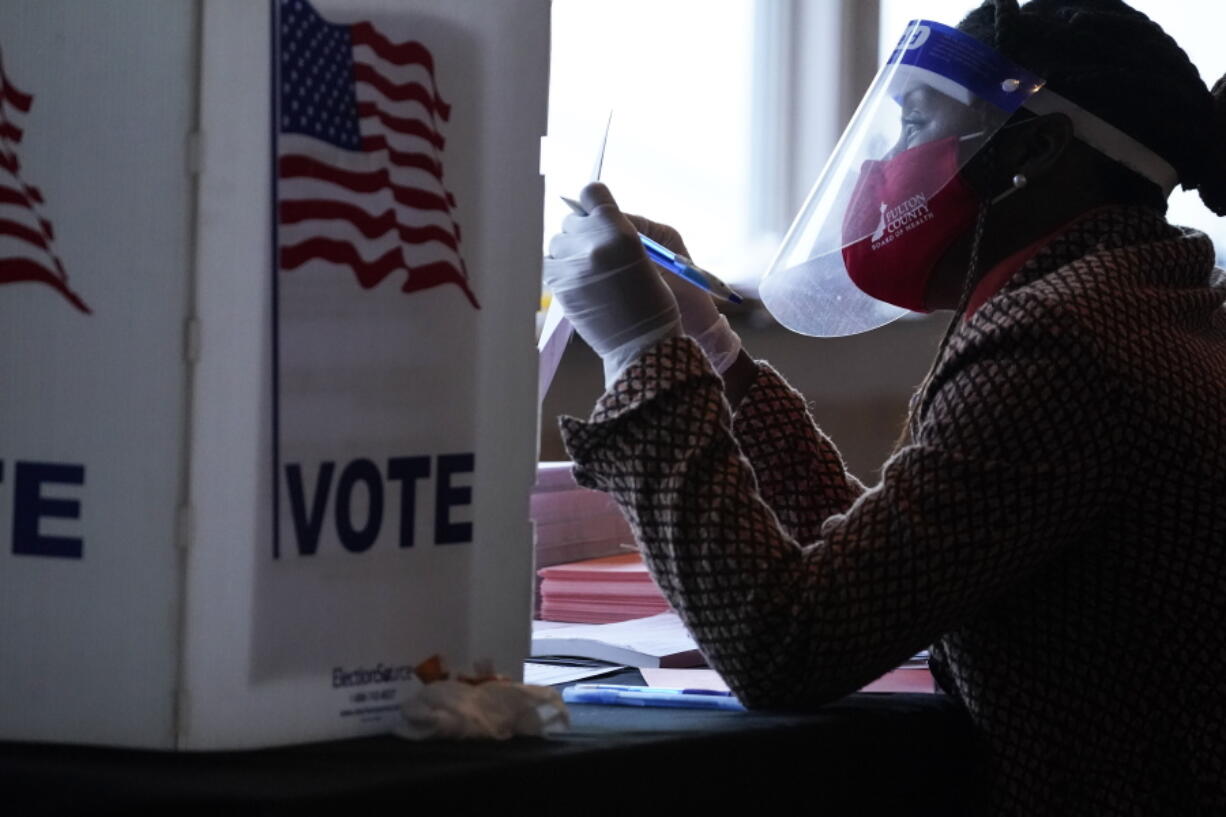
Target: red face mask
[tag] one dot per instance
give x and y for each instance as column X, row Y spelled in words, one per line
column 895, row 232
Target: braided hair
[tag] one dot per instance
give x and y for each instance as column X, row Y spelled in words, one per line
column 1115, row 62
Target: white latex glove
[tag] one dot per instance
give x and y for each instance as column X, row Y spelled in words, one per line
column 610, row 291
column 699, row 317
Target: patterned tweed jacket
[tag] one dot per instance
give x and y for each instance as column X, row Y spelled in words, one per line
column 1056, row 529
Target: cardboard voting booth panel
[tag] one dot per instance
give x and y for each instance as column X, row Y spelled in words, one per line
column 268, row 273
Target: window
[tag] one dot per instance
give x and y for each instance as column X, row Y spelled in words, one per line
column 707, row 131
column 678, row 78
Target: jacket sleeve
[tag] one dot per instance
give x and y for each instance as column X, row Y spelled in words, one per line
column 1012, row 463
column 800, row 474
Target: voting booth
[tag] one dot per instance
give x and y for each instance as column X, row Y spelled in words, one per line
column 268, row 273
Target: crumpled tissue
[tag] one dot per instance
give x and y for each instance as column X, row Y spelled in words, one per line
column 494, row 710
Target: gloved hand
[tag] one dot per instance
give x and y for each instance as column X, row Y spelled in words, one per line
column 608, row 288
column 699, row 317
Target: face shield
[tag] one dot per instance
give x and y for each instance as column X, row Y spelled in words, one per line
column 891, row 199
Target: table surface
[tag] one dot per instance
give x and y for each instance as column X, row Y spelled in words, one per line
column 897, row 754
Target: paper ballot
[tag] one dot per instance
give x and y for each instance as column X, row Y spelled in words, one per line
column 655, row 641
column 554, row 336
column 557, row 329
column 553, row 674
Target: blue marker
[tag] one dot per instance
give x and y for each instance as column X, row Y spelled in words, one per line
column 676, row 263
column 613, row 694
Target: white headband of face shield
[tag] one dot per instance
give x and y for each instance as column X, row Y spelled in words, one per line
column 1107, row 139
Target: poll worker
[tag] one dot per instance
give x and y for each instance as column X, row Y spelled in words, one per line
column 1054, row 523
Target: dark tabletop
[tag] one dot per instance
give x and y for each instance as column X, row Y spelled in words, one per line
column 897, row 754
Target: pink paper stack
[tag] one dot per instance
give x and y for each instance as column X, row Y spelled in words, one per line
column 599, row 591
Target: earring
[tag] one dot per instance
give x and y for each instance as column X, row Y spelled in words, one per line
column 1019, row 181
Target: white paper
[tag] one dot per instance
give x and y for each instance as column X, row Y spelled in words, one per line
column 557, row 329
column 549, row 674
column 552, row 344
column 666, row 678
column 639, row 641
column 655, row 635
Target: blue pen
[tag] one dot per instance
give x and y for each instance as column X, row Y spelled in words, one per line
column 676, row 263
column 634, row 696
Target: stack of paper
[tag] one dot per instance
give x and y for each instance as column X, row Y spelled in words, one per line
column 549, row 673
column 574, row 523
column 658, row 641
column 600, row 591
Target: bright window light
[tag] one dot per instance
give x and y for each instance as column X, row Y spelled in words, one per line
column 678, row 78
column 1196, row 26
column 895, row 14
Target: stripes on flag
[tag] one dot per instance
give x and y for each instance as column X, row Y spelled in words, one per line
column 27, row 252
column 360, row 155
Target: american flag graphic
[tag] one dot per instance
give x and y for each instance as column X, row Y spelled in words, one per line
column 27, row 252
column 360, row 155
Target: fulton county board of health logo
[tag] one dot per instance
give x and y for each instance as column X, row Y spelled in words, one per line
column 900, row 219
column 27, row 250
column 359, row 156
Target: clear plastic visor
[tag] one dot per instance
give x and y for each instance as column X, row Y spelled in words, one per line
column 939, row 98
